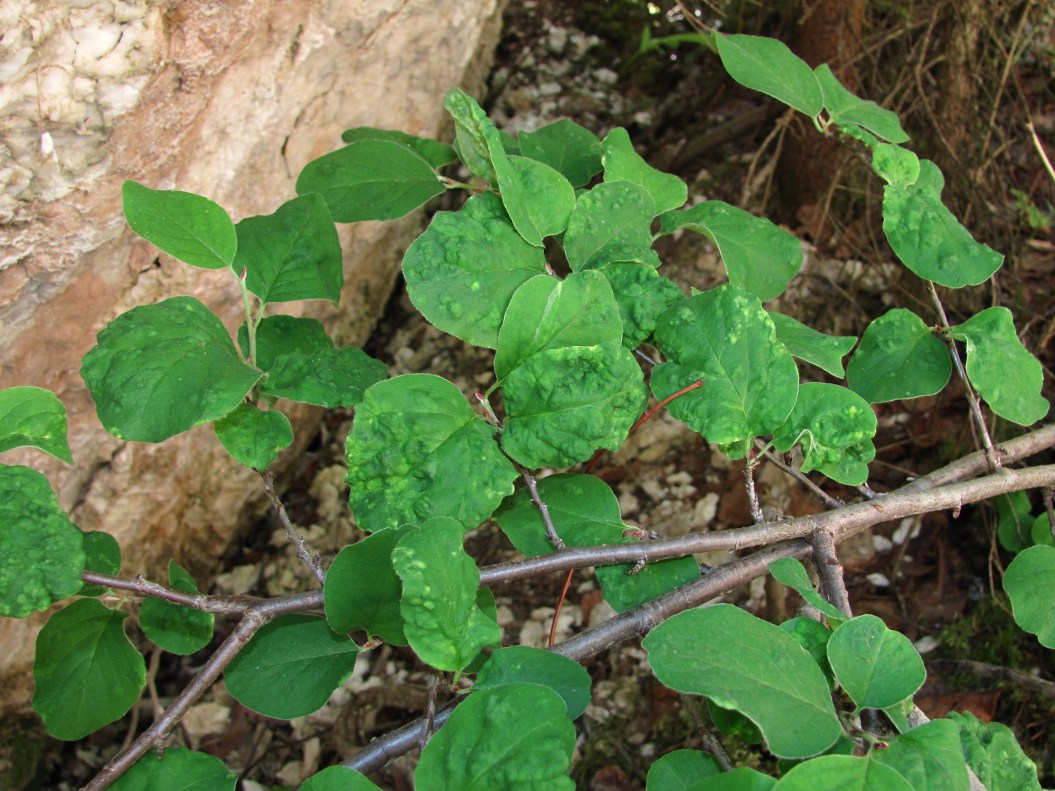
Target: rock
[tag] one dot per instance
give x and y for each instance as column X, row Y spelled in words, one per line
column 229, row 100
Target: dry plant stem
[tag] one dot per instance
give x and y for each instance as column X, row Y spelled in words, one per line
column 972, row 399
column 752, row 496
column 291, row 533
column 1048, row 495
column 830, row 571
column 432, row 683
column 1040, row 150
column 800, row 476
column 984, row 670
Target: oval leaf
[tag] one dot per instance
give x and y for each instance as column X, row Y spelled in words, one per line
column 539, row 200
column 643, row 295
column 845, row 108
column 281, row 335
column 741, row 662
column 253, row 437
column 176, row 628
column 326, row 377
column 623, row 163
column 523, row 664
column 186, row 226
column 566, row 147
column 611, row 223
column 177, row 769
column 161, row 369
column 839, row 772
column 1028, row 584
column 768, row 66
column 816, row 348
column 418, row 450
column 35, row 417
column 899, row 357
column 994, row 754
column 876, row 666
column 681, row 770
column 362, row 590
column 929, row 757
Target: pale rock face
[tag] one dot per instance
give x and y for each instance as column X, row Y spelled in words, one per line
column 226, row 98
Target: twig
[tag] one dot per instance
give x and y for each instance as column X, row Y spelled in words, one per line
column 830, row 571
column 220, row 605
column 1040, row 150
column 543, row 509
column 984, row 670
column 800, row 476
column 1048, row 495
column 752, row 496
column 291, row 532
column 432, row 683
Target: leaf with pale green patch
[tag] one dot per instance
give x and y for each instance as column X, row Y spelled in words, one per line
column 186, row 226
column 623, row 163
column 994, row 754
column 161, row 369
column 567, row 148
column 329, row 377
column 929, row 757
column 845, row 108
column 523, row 664
column 177, row 769
column 35, row 417
column 899, row 357
column 895, row 165
column 1027, row 581
column 434, row 152
column 643, row 295
column 87, row 673
column 611, row 223
column 470, row 141
column 876, row 666
column 176, row 628
column 816, row 348
column 362, row 589
column 463, row 270
column 768, row 66
column 253, row 437
column 441, row 619
column 418, row 450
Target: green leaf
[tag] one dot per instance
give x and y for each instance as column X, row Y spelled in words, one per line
column 791, row 572
column 177, row 769
column 930, row 241
column 759, row 256
column 441, row 619
column 1040, row 532
column 816, row 348
column 102, row 555
column 1000, row 368
column 35, row 417
column 87, row 673
column 539, row 200
column 994, row 754
column 643, row 295
column 362, row 590
column 523, row 664
column 434, row 152
column 1015, row 513
column 291, row 254
column 547, row 313
column 281, row 335
column 928, row 757
column 930, row 176
column 254, row 438
column 895, row 165
column 839, row 772
column 876, row 666
column 177, row 629
column 742, row 778
column 611, row 223
column 370, row 180
column 1028, row 584
column 680, row 770
column 899, row 357
column 567, row 148
column 563, row 404
column 724, row 337
column 846, row 108
column 470, row 140
column 463, row 270
column 733, row 723
column 512, row 738
column 161, row 369
column 328, row 377
column 623, row 163
column 835, row 427
column 186, row 226
column 41, row 550
column 290, row 667
column 741, row 662
column 768, row 66
column 418, row 450
column 814, row 637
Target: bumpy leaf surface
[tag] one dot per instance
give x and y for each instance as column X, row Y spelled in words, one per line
column 643, row 296
column 329, row 377
column 877, row 666
column 290, row 667
column 768, row 66
column 442, row 621
column 362, row 590
column 567, row 148
column 462, row 272
column 102, row 554
column 513, row 738
column 816, row 348
column 418, row 450
column 87, row 673
column 177, row 769
column 470, row 140
column 35, row 417
column 895, row 165
column 161, row 369
column 994, row 754
column 253, row 437
column 523, row 664
column 929, row 757
column 41, row 550
column 186, row 226
column 1028, row 584
column 611, row 223
column 177, row 629
column 539, row 200
column 623, row 163
column 741, row 662
column 899, row 357
column 845, row 108
column 434, row 152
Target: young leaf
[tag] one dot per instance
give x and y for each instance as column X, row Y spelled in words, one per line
column 177, row 769
column 895, row 165
column 253, row 437
column 514, row 737
column 441, row 619
column 434, row 152
column 768, row 66
column 845, row 108
column 837, row 772
column 41, row 550
column 462, row 271
column 724, row 337
column 523, row 664
column 899, row 357
column 759, row 256
column 1007, row 376
column 1040, row 531
column 563, row 404
column 87, row 673
column 791, row 572
column 102, row 554
column 538, row 199
column 547, row 313
column 290, row 667
column 743, row 663
column 362, row 590
column 470, row 140
column 993, row 753
column 930, row 241
column 835, row 427
column 681, row 770
column 177, row 629
column 418, row 450
column 1028, row 585
column 186, row 226
column 1014, row 516
column 370, row 180
column 611, row 223
column 929, row 757
column 816, row 348
column 623, row 163
column 328, row 377
column 35, row 417
column 161, row 369
column 876, row 666
column 643, row 295
column 567, row 148
column 291, row 254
